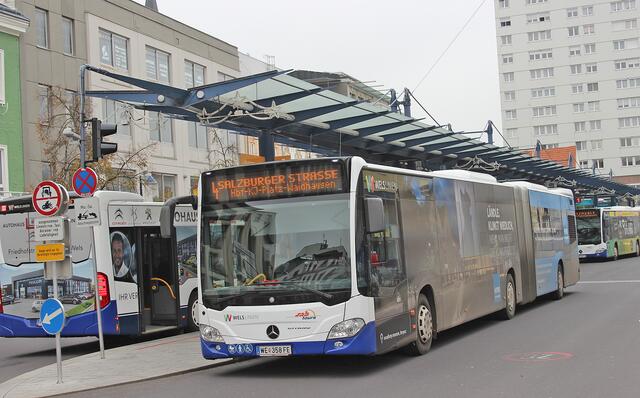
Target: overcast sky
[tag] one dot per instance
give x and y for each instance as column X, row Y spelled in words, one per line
column 392, row 43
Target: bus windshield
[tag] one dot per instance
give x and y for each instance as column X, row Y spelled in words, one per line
column 290, row 250
column 589, row 230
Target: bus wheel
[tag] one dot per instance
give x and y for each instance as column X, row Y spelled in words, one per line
column 510, row 299
column 192, row 311
column 559, row 293
column 638, row 248
column 424, row 328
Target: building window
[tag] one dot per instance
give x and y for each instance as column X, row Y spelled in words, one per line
column 629, row 142
column 578, row 107
column 542, row 73
column 160, row 128
column 583, row 164
column 68, row 36
column 632, row 121
column 510, row 114
column 539, row 35
column 543, row 92
column 157, row 64
column 550, row 146
column 595, row 125
column 193, row 74
column 41, row 19
column 509, row 95
column 505, row 22
column 630, row 161
column 538, row 17
column 596, row 145
column 193, row 182
column 618, row 44
column 598, row 163
column 572, row 12
column 624, row 24
column 590, row 48
column 577, row 88
column 511, row 133
column 588, row 29
column 166, row 186
column 198, row 135
column 581, row 145
column 591, row 68
column 2, row 81
column 507, row 59
column 508, row 77
column 4, row 170
column 587, row 11
column 540, row 55
column 116, row 113
column 506, row 40
column 529, row 2
column 114, row 50
column 575, row 69
column 223, row 77
column 631, row 102
column 545, row 129
column 573, row 31
column 592, row 87
column 126, row 181
column 623, row 5
column 503, row 3
column 629, row 63
column 628, row 83
column 44, row 99
column 574, row 51
column 593, row 106
column 540, row 111
column 580, row 127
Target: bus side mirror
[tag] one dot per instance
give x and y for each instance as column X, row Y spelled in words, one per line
column 375, row 215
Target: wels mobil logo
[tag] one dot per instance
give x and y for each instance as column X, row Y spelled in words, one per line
column 240, row 317
column 372, row 184
column 306, row 315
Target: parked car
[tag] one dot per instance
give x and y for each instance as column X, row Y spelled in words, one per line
column 70, row 299
column 8, row 299
column 85, row 295
column 37, row 305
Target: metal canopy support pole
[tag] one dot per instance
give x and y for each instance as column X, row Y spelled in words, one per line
column 267, row 146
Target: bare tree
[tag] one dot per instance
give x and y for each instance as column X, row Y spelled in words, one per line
column 222, row 153
column 62, row 154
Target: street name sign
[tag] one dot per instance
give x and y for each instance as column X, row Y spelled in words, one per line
column 50, row 228
column 52, row 316
column 87, row 212
column 50, row 252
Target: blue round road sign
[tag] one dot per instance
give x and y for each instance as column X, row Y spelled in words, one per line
column 85, row 181
column 52, row 316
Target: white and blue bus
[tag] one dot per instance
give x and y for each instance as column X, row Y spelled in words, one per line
column 339, row 256
column 147, row 283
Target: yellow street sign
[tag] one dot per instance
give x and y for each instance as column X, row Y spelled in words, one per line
column 50, row 252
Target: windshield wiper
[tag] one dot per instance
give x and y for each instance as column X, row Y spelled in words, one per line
column 299, row 285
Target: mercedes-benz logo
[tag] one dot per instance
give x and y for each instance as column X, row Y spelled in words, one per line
column 273, row 332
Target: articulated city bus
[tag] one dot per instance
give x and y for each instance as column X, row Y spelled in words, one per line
column 146, row 283
column 339, row 256
column 608, row 232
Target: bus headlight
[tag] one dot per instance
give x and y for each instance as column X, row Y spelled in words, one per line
column 344, row 329
column 210, row 334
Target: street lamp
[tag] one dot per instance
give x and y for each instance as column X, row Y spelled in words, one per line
column 67, row 132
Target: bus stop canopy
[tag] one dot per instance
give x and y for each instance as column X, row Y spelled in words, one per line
column 280, row 108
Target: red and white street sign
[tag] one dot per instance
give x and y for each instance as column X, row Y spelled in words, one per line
column 49, row 198
column 85, row 181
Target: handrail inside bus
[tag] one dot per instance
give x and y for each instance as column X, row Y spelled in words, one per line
column 167, row 285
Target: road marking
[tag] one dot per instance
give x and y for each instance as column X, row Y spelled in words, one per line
column 604, row 282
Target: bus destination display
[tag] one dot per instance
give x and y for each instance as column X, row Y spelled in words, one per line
column 275, row 182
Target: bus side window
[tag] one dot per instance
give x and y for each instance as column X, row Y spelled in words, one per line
column 384, row 252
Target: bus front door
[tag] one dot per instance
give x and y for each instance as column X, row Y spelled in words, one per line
column 159, row 278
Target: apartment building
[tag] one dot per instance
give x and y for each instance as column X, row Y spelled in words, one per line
column 570, row 75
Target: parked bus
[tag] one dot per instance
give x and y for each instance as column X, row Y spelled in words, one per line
column 339, row 256
column 147, row 283
column 608, row 232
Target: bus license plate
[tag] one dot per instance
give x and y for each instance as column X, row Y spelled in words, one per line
column 274, row 351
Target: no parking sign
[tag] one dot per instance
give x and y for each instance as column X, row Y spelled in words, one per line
column 85, row 181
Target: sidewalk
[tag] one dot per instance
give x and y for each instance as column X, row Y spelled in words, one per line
column 127, row 364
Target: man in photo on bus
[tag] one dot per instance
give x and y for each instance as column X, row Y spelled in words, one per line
column 120, row 270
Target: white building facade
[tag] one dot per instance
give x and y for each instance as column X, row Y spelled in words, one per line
column 570, row 75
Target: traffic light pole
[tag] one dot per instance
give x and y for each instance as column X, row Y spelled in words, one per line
column 83, row 130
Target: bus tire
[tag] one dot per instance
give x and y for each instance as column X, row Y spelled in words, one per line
column 559, row 293
column 638, row 248
column 192, row 312
column 509, row 310
column 424, row 328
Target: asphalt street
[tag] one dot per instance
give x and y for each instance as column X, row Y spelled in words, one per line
column 587, row 345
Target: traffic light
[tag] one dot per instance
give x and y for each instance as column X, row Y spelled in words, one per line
column 98, row 132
